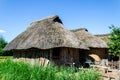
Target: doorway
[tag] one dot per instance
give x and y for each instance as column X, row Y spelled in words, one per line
column 56, row 53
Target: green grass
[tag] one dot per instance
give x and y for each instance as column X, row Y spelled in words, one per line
column 2, row 58
column 6, row 57
column 10, row 70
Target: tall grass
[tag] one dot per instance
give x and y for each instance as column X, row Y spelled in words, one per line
column 2, row 58
column 10, row 70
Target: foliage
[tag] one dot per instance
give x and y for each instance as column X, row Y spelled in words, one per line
column 6, row 57
column 10, row 70
column 114, row 44
column 7, row 53
column 3, row 43
column 2, row 58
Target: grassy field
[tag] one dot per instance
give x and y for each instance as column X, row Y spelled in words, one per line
column 10, row 70
column 2, row 58
column 6, row 57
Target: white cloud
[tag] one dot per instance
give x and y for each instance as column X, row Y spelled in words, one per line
column 2, row 31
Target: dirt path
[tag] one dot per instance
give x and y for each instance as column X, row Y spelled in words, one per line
column 112, row 75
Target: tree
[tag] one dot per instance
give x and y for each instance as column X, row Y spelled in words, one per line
column 114, row 43
column 3, row 43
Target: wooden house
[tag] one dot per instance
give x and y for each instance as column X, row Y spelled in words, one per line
column 49, row 39
column 98, row 47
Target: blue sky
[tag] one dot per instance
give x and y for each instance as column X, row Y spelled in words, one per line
column 95, row 15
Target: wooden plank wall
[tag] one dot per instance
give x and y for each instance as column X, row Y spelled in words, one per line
column 33, row 56
column 100, row 53
column 69, row 55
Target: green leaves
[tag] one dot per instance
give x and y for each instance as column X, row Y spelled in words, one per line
column 3, row 43
column 114, row 44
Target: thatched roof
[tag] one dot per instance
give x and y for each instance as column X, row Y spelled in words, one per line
column 89, row 39
column 45, row 34
column 104, row 37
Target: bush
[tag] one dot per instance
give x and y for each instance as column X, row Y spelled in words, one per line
column 3, row 43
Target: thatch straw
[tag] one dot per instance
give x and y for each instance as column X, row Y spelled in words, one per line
column 45, row 34
column 104, row 37
column 89, row 39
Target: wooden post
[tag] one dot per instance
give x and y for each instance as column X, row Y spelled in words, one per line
column 112, row 64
